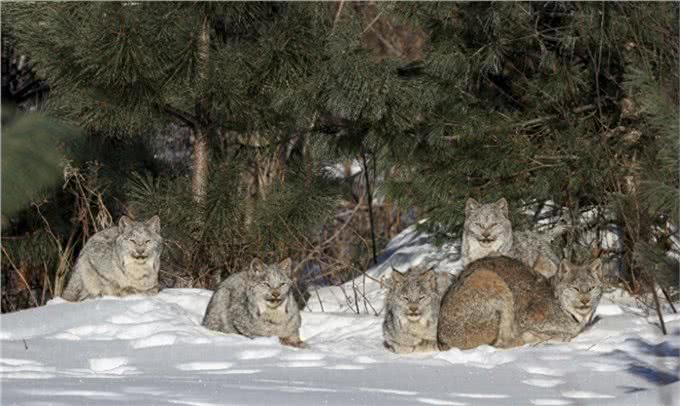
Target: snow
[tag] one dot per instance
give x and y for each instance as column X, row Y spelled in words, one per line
column 338, row 170
column 141, row 350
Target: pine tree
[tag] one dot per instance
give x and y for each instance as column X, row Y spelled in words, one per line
column 238, row 75
column 372, row 95
column 531, row 105
column 535, row 102
column 32, row 151
column 126, row 68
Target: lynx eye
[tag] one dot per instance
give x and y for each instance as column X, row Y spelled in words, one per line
column 147, row 241
column 404, row 298
column 133, row 241
column 421, row 298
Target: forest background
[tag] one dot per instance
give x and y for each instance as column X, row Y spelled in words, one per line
column 321, row 130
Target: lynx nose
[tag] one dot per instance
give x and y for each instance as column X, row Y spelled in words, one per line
column 413, row 308
column 276, row 294
column 585, row 301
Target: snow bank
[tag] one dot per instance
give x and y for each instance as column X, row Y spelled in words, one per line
column 152, row 351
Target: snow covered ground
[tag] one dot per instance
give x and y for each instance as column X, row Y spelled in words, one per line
column 151, row 351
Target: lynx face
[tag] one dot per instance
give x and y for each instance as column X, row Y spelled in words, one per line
column 579, row 289
column 413, row 292
column 270, row 284
column 139, row 242
column 488, row 224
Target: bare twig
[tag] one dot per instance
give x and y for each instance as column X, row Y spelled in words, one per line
column 337, row 15
column 668, row 297
column 370, row 25
column 652, row 282
column 318, row 297
column 597, row 343
column 44, row 287
column 369, row 197
column 543, row 119
column 64, row 255
column 316, row 249
column 356, row 292
column 180, row 115
column 21, row 276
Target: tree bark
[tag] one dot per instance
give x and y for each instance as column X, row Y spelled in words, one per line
column 369, row 197
column 657, row 306
column 201, row 155
column 201, row 158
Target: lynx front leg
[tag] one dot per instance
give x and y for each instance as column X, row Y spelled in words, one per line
column 427, row 346
column 151, row 291
column 292, row 341
column 506, row 329
column 533, row 337
column 538, row 337
column 398, row 348
column 75, row 290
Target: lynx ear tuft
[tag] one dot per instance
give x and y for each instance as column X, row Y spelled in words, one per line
column 397, row 277
column 502, row 204
column 471, row 204
column 154, row 224
column 256, row 267
column 564, row 268
column 597, row 267
column 286, row 266
column 429, row 276
column 124, row 223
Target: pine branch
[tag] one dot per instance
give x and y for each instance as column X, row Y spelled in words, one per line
column 180, row 115
column 529, row 123
column 541, row 120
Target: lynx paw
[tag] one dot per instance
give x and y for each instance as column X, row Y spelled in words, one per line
column 508, row 342
column 292, row 342
column 427, row 346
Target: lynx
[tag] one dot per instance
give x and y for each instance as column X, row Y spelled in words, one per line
column 488, row 231
column 499, row 301
column 118, row 261
column 412, row 310
column 257, row 302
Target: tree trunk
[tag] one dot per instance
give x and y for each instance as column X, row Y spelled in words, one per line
column 201, row 158
column 369, row 197
column 201, row 155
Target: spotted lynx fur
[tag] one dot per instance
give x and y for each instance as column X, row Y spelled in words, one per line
column 257, row 302
column 118, row 261
column 499, row 301
column 487, row 231
column 412, row 309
